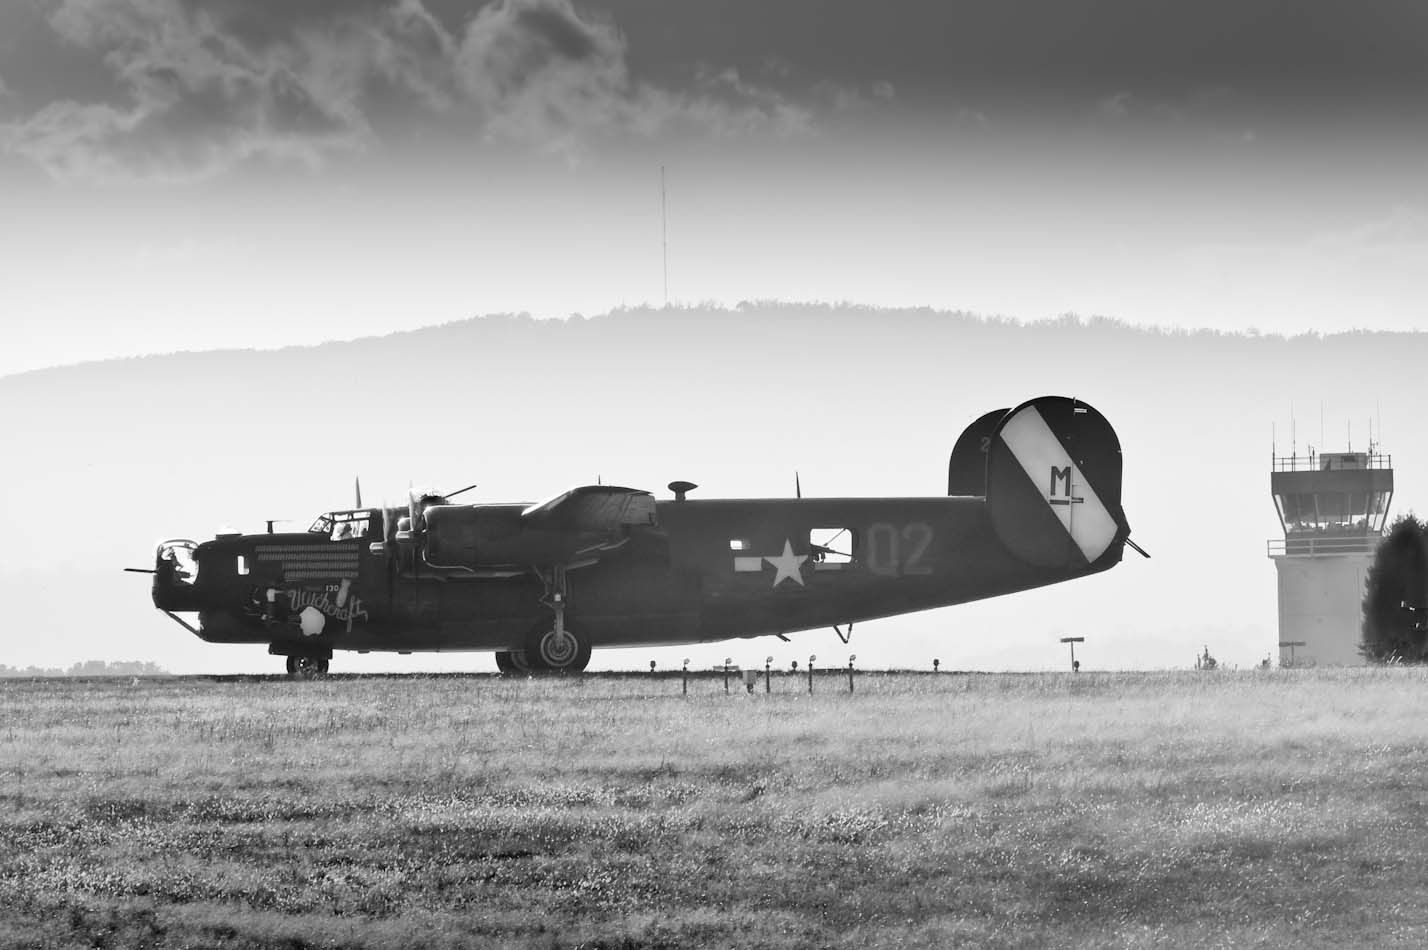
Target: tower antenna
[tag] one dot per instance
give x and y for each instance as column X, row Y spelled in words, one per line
column 664, row 235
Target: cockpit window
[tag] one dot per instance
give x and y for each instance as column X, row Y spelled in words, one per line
column 343, row 525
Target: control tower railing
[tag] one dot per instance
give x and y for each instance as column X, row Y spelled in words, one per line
column 1331, row 461
column 1324, row 546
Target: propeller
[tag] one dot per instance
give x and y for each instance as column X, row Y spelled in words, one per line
column 414, row 499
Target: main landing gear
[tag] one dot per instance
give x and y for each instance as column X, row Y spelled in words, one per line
column 551, row 647
column 547, row 651
column 513, row 663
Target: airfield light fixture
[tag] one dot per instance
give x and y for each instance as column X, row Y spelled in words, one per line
column 935, row 664
column 768, row 673
column 851, row 658
column 684, row 678
column 727, row 663
column 811, row 658
column 1072, row 641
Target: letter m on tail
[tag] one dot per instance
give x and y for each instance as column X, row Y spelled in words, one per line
column 1062, row 476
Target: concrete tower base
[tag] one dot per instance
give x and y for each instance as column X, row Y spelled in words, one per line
column 1321, row 605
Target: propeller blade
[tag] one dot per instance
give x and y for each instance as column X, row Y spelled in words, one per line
column 357, row 485
column 797, row 486
column 458, row 491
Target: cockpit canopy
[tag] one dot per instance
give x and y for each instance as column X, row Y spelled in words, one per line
column 349, row 525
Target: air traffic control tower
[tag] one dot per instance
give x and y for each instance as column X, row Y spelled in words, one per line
column 1332, row 506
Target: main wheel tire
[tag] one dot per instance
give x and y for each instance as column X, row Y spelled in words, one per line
column 307, row 667
column 547, row 653
column 512, row 663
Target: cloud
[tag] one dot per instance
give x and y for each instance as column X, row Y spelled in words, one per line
column 192, row 98
column 846, row 97
column 203, row 85
column 728, row 104
column 1402, row 227
column 1115, row 106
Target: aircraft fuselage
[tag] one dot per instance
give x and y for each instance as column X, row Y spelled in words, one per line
column 713, row 570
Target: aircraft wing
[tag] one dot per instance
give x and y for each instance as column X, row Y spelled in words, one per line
column 593, row 509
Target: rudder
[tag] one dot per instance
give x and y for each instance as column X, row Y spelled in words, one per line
column 1053, row 484
column 967, row 468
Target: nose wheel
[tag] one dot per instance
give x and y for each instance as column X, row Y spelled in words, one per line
column 307, row 667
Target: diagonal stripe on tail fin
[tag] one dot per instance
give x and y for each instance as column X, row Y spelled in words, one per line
column 1072, row 498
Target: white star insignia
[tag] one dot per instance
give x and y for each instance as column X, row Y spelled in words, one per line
column 787, row 565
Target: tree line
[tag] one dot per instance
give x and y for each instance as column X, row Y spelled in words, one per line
column 89, row 668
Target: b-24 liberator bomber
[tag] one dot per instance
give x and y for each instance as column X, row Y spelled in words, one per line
column 1033, row 498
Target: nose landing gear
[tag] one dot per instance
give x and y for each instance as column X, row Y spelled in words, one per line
column 305, row 662
column 307, row 667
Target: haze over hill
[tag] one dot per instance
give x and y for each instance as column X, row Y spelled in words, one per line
column 111, row 456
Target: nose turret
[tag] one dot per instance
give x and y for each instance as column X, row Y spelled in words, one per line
column 176, row 575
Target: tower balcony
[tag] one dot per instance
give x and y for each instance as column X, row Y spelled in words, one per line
column 1323, row 545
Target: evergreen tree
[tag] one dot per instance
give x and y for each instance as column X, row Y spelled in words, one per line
column 1398, row 576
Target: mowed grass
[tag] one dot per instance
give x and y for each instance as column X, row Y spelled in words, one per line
column 1109, row 810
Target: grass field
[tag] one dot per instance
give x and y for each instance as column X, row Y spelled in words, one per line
column 1280, row 808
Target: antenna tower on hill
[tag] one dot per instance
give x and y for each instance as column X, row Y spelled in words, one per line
column 664, row 235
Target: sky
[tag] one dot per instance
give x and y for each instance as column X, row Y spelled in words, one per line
column 219, row 173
